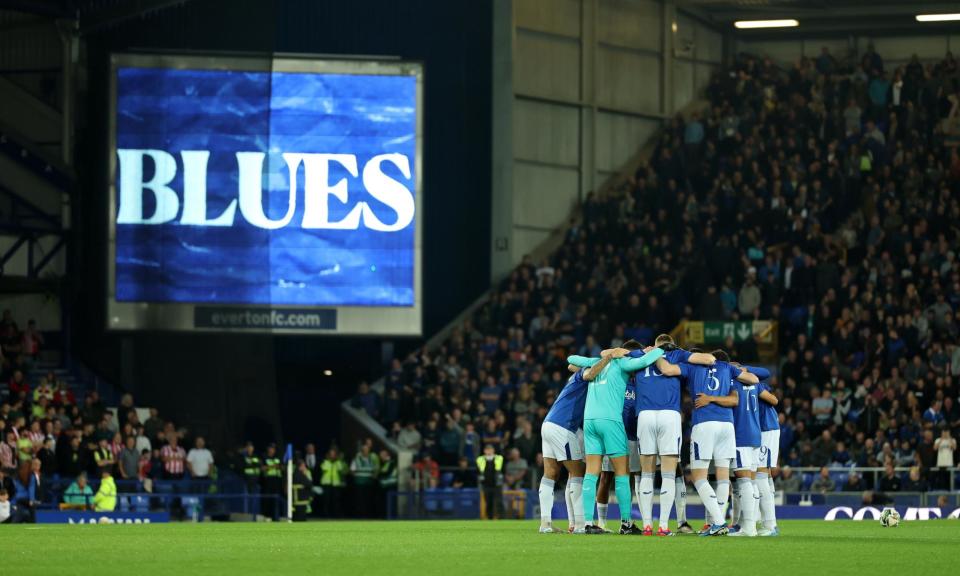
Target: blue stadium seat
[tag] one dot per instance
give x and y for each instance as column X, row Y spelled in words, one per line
column 839, row 478
column 189, row 503
column 123, row 504
column 446, row 479
column 141, row 503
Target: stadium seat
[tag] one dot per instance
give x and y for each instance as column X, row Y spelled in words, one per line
column 141, row 503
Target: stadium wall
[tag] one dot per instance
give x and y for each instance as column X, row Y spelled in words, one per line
column 931, row 46
column 267, row 388
column 579, row 86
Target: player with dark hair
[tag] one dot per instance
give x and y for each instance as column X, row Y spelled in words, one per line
column 713, row 437
column 659, row 430
column 562, row 438
column 604, row 434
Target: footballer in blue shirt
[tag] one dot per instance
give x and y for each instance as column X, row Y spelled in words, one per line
column 562, row 443
column 658, row 426
column 746, row 423
column 713, row 436
column 769, row 451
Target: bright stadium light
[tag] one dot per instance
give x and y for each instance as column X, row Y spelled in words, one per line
column 937, row 17
column 766, row 23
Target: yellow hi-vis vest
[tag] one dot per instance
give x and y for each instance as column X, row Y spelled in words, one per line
column 251, row 466
column 105, row 499
column 331, row 472
column 497, row 463
column 274, row 469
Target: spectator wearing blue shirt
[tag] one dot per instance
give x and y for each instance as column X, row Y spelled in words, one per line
column 840, row 457
column 826, row 63
column 490, row 395
column 367, row 399
column 933, row 416
column 590, row 348
column 879, row 90
column 693, row 133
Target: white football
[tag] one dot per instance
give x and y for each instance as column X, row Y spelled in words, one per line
column 889, row 518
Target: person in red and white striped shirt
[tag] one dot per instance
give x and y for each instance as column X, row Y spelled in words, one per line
column 173, row 456
column 36, row 435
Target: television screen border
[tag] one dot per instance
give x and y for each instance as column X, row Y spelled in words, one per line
column 338, row 320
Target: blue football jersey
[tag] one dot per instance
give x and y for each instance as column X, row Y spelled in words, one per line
column 714, row 380
column 629, row 410
column 746, row 416
column 769, row 420
column 658, row 392
column 567, row 409
column 768, row 413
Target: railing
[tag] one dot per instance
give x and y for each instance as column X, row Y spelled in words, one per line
column 709, row 333
column 806, row 474
column 194, row 506
column 838, row 473
column 418, row 480
column 196, row 498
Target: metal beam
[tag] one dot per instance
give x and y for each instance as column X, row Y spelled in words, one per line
column 50, row 8
column 35, row 270
column 116, row 14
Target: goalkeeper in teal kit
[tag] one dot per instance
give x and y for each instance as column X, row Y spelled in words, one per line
column 604, row 434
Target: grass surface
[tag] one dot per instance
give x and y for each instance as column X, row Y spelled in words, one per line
column 806, row 547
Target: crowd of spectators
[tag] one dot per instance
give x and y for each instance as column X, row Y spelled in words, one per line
column 823, row 196
column 53, row 437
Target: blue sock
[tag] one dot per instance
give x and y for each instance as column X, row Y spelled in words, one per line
column 589, row 497
column 624, row 501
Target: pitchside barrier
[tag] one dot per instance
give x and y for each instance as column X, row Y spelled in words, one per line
column 193, row 499
column 163, row 507
column 467, row 503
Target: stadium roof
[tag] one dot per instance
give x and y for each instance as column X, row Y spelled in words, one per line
column 824, row 16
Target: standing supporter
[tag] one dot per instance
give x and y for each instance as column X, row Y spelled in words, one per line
column 333, row 473
column 173, row 458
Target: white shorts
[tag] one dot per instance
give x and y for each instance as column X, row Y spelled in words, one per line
column 633, row 456
column 712, row 441
column 606, row 466
column 659, row 432
column 747, row 458
column 769, row 449
column 560, row 443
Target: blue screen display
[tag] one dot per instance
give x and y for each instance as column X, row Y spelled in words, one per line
column 267, row 188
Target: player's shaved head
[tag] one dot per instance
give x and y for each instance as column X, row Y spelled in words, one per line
column 663, row 339
column 632, row 345
column 721, row 355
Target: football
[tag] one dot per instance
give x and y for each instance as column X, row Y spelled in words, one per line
column 889, row 518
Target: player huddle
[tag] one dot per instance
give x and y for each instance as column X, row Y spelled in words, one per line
column 620, row 413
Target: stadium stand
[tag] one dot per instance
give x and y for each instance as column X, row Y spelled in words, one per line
column 854, row 167
column 59, row 437
column 851, row 165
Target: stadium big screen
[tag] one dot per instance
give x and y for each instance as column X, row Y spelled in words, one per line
column 265, row 194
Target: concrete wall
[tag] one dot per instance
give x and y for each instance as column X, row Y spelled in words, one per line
column 579, row 86
column 43, row 308
column 895, row 50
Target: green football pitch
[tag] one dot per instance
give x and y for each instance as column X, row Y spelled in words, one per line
column 463, row 548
